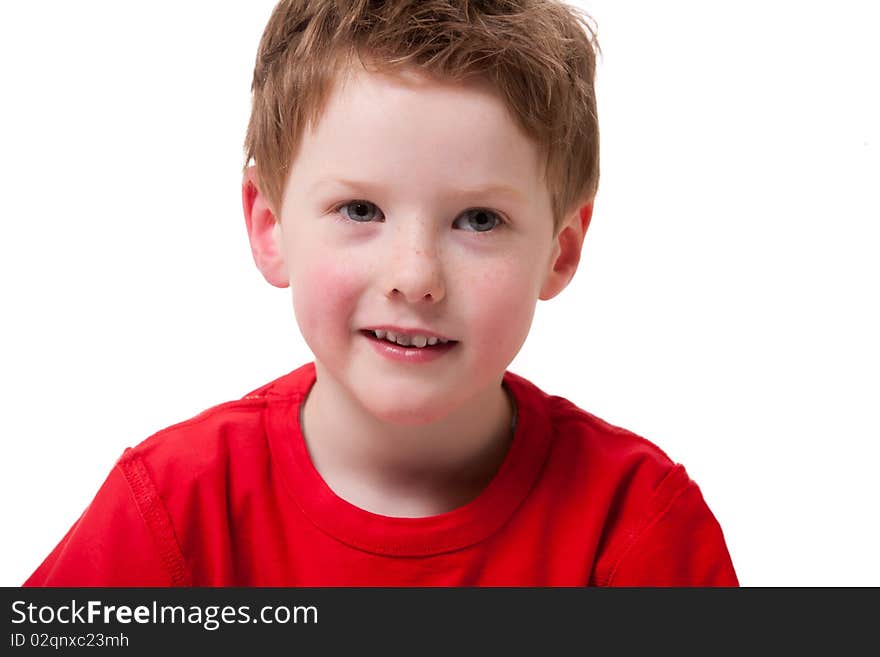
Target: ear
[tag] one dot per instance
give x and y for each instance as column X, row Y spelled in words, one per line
column 566, row 252
column 264, row 231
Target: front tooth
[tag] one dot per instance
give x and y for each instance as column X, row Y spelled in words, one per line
column 432, row 341
column 391, row 337
column 380, row 334
column 403, row 340
column 419, row 341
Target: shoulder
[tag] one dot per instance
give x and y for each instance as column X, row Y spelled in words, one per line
column 629, row 475
column 588, row 440
column 168, row 494
column 602, row 468
column 648, row 517
column 206, row 445
column 200, row 443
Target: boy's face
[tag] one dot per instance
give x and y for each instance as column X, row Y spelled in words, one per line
column 412, row 243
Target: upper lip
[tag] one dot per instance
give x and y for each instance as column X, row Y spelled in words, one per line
column 397, row 330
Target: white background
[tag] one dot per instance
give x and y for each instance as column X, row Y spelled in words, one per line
column 726, row 307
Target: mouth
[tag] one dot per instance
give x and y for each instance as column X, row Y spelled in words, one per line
column 409, row 340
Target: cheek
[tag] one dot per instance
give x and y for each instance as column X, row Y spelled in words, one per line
column 502, row 303
column 325, row 294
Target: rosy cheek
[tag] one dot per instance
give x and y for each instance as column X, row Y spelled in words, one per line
column 502, row 305
column 325, row 295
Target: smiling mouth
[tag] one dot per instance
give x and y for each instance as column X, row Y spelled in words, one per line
column 414, row 341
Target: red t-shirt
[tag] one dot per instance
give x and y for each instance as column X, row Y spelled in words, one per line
column 231, row 498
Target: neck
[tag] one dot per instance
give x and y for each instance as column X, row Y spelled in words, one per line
column 408, row 470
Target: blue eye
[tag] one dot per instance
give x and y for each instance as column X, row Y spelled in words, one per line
column 480, row 220
column 362, row 211
column 477, row 220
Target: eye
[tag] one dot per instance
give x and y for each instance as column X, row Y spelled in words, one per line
column 479, row 220
column 360, row 211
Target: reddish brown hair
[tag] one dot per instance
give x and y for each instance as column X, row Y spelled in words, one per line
column 539, row 56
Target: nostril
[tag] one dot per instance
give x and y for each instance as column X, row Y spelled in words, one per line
column 414, row 296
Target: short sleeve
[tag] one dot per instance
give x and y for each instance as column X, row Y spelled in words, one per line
column 111, row 544
column 682, row 546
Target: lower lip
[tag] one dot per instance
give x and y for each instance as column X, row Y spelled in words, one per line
column 409, row 354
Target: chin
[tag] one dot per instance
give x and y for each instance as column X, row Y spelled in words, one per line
column 395, row 412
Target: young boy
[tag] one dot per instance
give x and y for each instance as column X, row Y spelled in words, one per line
column 424, row 172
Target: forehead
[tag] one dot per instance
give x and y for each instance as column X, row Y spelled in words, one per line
column 402, row 123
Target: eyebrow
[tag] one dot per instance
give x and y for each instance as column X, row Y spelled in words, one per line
column 486, row 190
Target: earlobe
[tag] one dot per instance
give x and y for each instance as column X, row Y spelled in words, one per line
column 566, row 252
column 263, row 231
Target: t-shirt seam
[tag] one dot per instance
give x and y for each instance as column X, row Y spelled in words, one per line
column 394, row 550
column 569, row 413
column 647, row 525
column 387, row 550
column 155, row 516
column 245, row 403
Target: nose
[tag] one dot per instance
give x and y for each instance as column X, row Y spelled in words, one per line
column 413, row 271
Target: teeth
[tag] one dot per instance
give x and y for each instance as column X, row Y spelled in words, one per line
column 418, row 341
